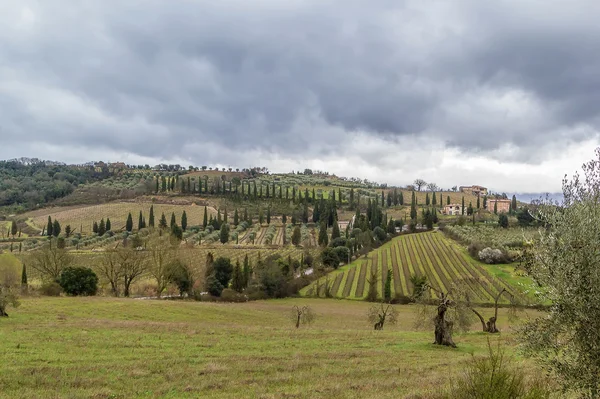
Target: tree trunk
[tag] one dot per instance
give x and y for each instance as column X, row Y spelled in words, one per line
column 491, row 326
column 298, row 320
column 3, row 313
column 483, row 325
column 443, row 328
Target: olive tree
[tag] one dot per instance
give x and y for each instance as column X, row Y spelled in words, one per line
column 302, row 315
column 7, row 297
column 564, row 262
column 378, row 315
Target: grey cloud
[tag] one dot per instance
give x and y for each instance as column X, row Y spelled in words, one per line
column 297, row 77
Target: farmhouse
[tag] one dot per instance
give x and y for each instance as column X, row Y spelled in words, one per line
column 503, row 205
column 453, row 209
column 474, row 190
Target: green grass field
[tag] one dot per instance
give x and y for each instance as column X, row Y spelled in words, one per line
column 119, row 348
column 430, row 254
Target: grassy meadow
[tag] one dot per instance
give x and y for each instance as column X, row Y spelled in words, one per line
column 125, row 348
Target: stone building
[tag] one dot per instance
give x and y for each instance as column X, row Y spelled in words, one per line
column 474, row 190
column 503, row 205
column 453, row 209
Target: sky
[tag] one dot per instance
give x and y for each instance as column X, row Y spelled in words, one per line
column 504, row 94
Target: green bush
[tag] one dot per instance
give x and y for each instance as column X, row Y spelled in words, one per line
column 78, row 281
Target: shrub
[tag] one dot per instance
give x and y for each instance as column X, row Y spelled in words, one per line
column 214, row 286
column 78, row 281
column 229, row 295
column 51, row 288
column 493, row 377
column 491, row 256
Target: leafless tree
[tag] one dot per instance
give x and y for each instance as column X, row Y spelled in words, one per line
column 50, row 260
column 379, row 314
column 419, row 183
column 490, row 325
column 302, row 315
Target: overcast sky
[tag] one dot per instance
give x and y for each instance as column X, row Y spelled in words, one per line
column 505, row 94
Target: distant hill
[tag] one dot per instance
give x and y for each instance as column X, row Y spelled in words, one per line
column 528, row 197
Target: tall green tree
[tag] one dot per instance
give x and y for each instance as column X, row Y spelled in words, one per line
column 296, row 236
column 387, row 292
column 224, row 233
column 495, row 207
column 246, row 271
column 269, row 215
column 163, row 221
column 237, row 279
column 184, row 221
column 448, row 200
column 24, row 276
column 101, row 228
column 323, row 239
column 433, row 199
column 236, row 218
column 335, row 232
column 108, row 225
column 13, row 228
column 129, row 223
column 413, row 207
column 463, row 206
column 173, row 220
column 49, row 227
column 151, row 217
column 55, row 228
column 478, row 202
column 205, row 219
column 513, row 204
column 140, row 221
column 427, row 200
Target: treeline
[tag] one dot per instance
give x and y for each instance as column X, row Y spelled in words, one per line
column 26, row 186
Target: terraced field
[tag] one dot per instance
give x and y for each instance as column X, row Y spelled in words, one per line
column 81, row 219
column 429, row 254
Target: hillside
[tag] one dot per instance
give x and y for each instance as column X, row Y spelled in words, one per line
column 429, row 254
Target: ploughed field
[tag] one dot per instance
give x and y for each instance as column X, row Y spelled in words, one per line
column 429, row 254
column 126, row 348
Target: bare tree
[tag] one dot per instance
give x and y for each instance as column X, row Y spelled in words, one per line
column 419, row 183
column 50, row 260
column 490, row 325
column 302, row 315
column 379, row 314
column 432, row 187
column 162, row 252
column 123, row 265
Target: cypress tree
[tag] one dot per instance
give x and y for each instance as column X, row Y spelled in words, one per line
column 101, row 227
column 157, row 185
column 237, row 279
column 24, row 276
column 305, row 214
column 13, row 228
column 184, row 221
column 151, row 217
column 323, row 239
column 513, row 204
column 287, row 193
column 463, row 206
column 49, row 227
column 55, row 228
column 336, row 231
column 484, row 201
column 255, row 193
column 261, row 217
column 163, row 182
column 95, row 228
column 246, row 271
column 219, row 219
column 140, row 221
column 351, row 200
column 129, row 223
column 496, row 207
column 205, row 219
column 269, row 215
column 225, row 215
column 294, row 193
column 387, row 292
column 478, row 202
column 283, row 219
column 382, row 199
column 268, row 191
column 413, row 207
column 224, row 233
column 401, row 198
column 448, row 200
column 433, row 199
column 246, row 215
column 68, row 230
column 236, row 218
column 173, row 220
column 340, row 196
column 163, row 221
column 108, row 224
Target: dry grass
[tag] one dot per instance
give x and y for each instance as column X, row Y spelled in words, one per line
column 118, row 348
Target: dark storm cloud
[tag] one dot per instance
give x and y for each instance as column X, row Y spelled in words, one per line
column 157, row 78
